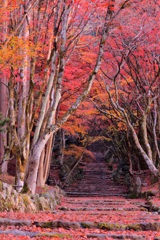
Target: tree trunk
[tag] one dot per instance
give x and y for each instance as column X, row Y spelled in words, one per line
column 23, row 97
column 147, row 155
column 147, row 159
column 3, row 135
column 3, row 97
column 62, row 147
column 40, row 178
column 33, row 166
column 45, row 161
column 19, row 175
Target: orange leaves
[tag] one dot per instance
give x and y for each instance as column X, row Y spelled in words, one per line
column 74, row 127
column 10, row 6
column 88, row 57
column 74, row 151
column 10, row 55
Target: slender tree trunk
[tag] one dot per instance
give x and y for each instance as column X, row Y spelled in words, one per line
column 40, row 178
column 147, row 153
column 145, row 156
column 62, row 147
column 23, row 97
column 45, row 161
column 34, row 161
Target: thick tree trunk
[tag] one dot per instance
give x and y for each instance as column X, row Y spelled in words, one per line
column 3, row 96
column 3, row 135
column 33, row 166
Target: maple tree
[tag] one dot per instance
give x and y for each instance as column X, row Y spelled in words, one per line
column 136, row 110
column 42, row 41
column 132, row 84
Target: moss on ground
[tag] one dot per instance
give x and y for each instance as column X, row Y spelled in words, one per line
column 111, row 226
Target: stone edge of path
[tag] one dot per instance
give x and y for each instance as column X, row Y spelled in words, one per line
column 143, row 226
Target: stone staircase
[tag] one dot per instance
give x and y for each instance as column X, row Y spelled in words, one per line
column 80, row 218
column 96, row 181
column 109, row 217
column 93, row 208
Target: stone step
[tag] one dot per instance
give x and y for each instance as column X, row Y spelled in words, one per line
column 104, row 209
column 97, row 201
column 109, row 226
column 97, row 193
column 37, row 235
column 94, row 203
column 87, row 187
column 116, row 236
column 97, row 184
column 89, row 194
column 58, row 235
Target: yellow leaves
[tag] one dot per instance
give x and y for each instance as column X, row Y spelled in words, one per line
column 121, row 126
column 129, row 80
column 87, row 111
column 88, row 57
column 97, row 138
column 34, row 50
column 101, row 97
column 17, row 49
column 11, row 55
column 74, row 128
column 75, row 151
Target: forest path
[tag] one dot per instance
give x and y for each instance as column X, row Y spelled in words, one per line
column 93, row 208
column 96, row 180
column 80, row 218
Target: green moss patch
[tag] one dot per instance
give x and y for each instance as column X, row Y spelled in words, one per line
column 111, row 226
